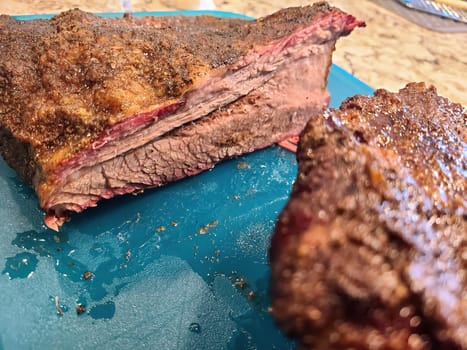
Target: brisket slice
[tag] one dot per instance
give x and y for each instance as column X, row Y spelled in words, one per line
column 370, row 252
column 91, row 107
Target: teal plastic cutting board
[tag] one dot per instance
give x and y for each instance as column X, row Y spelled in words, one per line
column 180, row 267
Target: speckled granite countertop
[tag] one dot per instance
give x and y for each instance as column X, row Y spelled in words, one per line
column 388, row 53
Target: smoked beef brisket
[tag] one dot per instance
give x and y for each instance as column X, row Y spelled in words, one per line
column 370, row 252
column 91, row 107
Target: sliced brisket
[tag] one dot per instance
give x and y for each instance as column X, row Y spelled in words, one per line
column 371, row 250
column 92, row 107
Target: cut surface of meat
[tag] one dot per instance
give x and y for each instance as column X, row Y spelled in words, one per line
column 370, row 251
column 95, row 107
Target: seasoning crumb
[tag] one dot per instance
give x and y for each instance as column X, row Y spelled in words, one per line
column 161, row 228
column 174, row 223
column 251, row 294
column 236, row 196
column 87, row 275
column 80, row 309
column 57, row 305
column 127, row 255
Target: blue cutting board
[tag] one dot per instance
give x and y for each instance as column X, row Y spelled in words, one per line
column 180, row 267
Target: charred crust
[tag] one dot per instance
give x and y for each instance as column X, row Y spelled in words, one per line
column 19, row 155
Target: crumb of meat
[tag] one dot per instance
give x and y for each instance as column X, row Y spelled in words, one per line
column 203, row 230
column 128, row 255
column 80, row 309
column 240, row 282
column 57, row 305
column 161, row 228
column 243, row 165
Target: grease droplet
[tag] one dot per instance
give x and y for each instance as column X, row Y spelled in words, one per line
column 20, row 265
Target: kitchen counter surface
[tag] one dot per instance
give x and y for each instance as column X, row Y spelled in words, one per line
column 388, row 53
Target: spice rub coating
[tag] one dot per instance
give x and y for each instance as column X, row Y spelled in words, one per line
column 64, row 81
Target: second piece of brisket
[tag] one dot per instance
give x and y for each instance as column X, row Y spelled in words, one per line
column 371, row 250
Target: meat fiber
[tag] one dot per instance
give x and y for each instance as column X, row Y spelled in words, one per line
column 370, row 252
column 91, row 108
